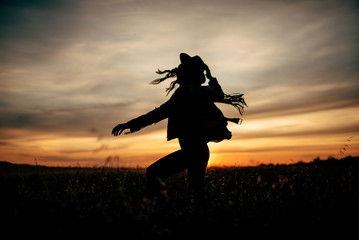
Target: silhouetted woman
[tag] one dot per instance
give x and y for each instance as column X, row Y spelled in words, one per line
column 193, row 118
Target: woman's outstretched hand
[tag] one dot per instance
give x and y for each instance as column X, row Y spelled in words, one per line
column 119, row 129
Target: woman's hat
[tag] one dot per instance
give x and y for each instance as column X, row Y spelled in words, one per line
column 185, row 58
column 192, row 62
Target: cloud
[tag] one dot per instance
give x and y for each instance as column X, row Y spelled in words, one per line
column 290, row 100
column 292, row 131
column 65, row 121
column 67, row 67
column 34, row 31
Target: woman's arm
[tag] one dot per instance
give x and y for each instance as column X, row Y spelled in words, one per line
column 219, row 94
column 152, row 117
column 142, row 121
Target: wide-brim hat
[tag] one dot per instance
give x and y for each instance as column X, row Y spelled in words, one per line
column 193, row 62
column 185, row 58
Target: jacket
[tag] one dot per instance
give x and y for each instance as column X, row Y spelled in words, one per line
column 191, row 112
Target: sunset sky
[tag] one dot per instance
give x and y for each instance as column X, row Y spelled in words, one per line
column 72, row 70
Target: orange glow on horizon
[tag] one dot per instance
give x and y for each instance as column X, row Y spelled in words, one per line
column 142, row 150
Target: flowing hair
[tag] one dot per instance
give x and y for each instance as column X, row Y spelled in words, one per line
column 169, row 74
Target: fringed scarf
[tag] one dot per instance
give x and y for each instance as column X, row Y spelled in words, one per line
column 236, row 100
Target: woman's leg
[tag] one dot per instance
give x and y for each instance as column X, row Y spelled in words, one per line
column 163, row 168
column 193, row 156
column 196, row 153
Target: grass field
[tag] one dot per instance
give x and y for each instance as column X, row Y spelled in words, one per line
column 321, row 197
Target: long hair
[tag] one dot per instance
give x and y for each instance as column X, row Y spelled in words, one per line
column 169, row 74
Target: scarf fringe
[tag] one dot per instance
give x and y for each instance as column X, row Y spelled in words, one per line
column 236, row 100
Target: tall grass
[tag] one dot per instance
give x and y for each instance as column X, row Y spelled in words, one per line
column 322, row 196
